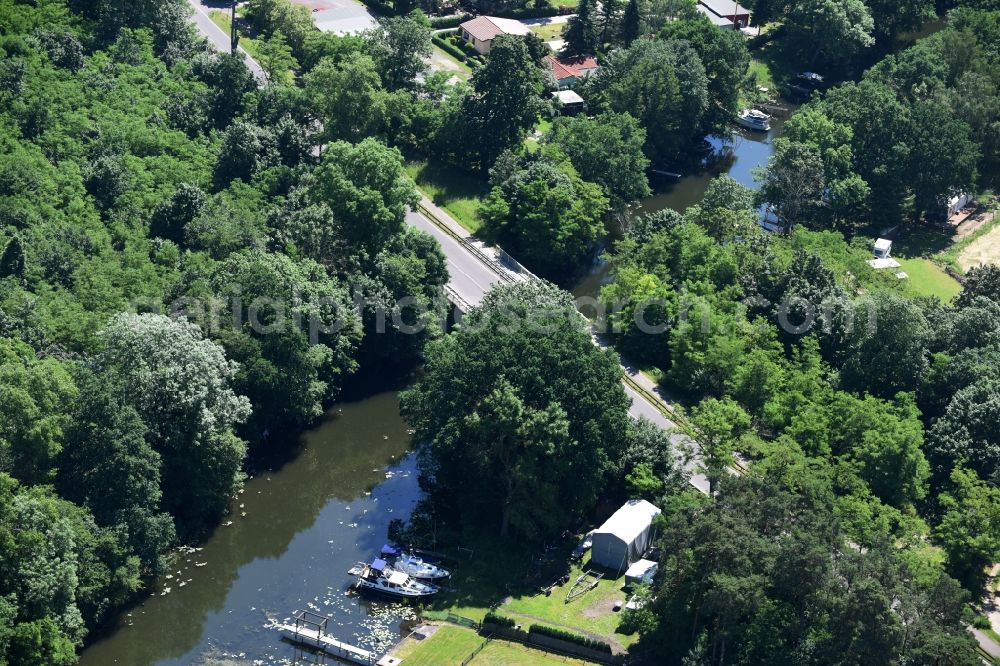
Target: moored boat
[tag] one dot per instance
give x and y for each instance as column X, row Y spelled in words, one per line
column 412, row 565
column 754, row 120
column 380, row 577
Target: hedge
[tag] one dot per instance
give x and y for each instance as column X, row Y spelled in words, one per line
column 448, row 48
column 380, row 7
column 502, row 620
column 760, row 40
column 536, row 12
column 453, row 21
column 570, row 637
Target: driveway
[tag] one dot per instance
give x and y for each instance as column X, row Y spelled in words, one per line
column 340, row 17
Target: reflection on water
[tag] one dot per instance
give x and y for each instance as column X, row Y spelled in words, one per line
column 304, row 526
column 737, row 155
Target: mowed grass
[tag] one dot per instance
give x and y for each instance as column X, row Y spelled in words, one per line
column 504, row 653
column 451, row 645
column 591, row 612
column 925, row 278
column 447, row 645
column 222, row 19
column 458, row 192
column 549, row 31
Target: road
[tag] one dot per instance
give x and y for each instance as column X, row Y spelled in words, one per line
column 473, row 273
column 218, row 37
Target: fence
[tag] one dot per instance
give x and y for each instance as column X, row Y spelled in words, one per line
column 467, row 660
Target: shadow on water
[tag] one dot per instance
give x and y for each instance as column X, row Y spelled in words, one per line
column 304, row 525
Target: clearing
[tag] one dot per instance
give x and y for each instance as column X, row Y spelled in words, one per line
column 984, row 249
column 549, row 31
column 457, row 191
column 928, row 279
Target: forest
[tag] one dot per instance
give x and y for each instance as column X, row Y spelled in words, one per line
column 193, row 267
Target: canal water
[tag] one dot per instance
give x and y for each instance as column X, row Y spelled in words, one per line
column 292, row 535
column 737, row 155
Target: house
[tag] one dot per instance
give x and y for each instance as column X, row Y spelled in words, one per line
column 731, row 10
column 481, row 30
column 569, row 102
column 570, row 71
column 718, row 21
column 625, row 536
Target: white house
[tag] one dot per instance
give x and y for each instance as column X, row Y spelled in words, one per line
column 481, row 30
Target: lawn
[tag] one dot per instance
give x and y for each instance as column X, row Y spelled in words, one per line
column 504, row 653
column 983, row 247
column 221, row 18
column 457, row 191
column 764, row 77
column 549, row 31
column 447, row 645
column 450, row 645
column 565, row 3
column 928, row 279
column 590, row 613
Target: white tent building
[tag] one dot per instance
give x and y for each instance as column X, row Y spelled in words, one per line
column 625, row 536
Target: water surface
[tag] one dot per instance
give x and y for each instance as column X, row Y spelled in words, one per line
column 305, row 524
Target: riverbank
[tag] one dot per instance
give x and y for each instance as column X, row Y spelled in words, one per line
column 292, row 535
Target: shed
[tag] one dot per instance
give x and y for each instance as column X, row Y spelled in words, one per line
column 570, row 101
column 625, row 536
column 641, row 572
column 728, row 9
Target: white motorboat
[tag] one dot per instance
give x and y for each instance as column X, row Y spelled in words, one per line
column 412, row 565
column 381, row 578
column 754, row 120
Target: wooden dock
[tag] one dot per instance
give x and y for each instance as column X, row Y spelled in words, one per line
column 310, row 629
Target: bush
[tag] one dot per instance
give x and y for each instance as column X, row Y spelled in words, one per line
column 570, row 637
column 380, row 7
column 452, row 21
column 501, row 620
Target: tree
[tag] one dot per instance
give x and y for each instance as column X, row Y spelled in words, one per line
column 892, row 17
column 35, row 395
column 294, row 340
column 610, row 11
column 275, row 57
column 581, row 31
column 631, row 23
column 246, row 151
column 982, row 281
column 180, row 385
column 970, row 527
column 966, row 431
column 943, row 157
column 504, row 103
column 662, row 84
column 793, row 182
column 173, row 214
column 366, row 188
column 518, row 399
column 718, row 425
column 400, row 46
column 108, row 466
column 608, row 151
column 12, row 261
column 547, row 215
column 888, row 347
column 726, row 60
column 347, row 97
column 726, row 210
column 830, row 31
column 229, row 80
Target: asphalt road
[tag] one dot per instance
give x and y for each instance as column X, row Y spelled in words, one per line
column 471, row 277
column 218, row 37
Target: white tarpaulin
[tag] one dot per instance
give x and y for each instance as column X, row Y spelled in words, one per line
column 625, row 536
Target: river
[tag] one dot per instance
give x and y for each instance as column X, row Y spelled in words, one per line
column 737, row 155
column 305, row 524
column 326, row 508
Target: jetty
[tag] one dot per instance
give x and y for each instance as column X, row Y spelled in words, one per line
column 310, row 629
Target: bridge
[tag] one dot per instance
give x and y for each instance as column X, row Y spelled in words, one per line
column 475, row 268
